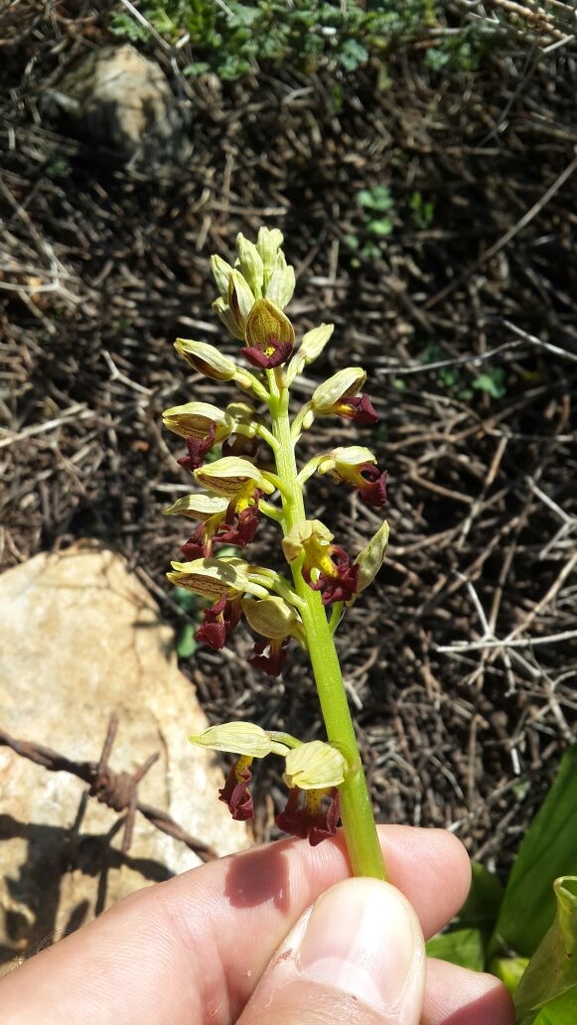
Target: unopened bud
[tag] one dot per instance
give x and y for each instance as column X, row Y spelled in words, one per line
column 240, row 300
column 372, row 556
column 206, row 359
column 268, row 243
column 251, row 265
column 310, row 348
column 281, row 286
column 221, row 271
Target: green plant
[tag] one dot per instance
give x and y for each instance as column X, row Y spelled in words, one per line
column 325, row 780
column 423, row 211
column 461, row 381
column 234, row 38
column 526, row 932
column 190, row 604
column 374, row 203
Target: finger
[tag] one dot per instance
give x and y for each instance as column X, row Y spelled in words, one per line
column 462, row 997
column 357, row 957
column 192, row 949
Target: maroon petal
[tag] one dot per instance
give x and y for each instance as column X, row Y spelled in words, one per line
column 358, row 408
column 197, row 449
column 270, row 656
column 235, row 793
column 373, row 488
column 267, row 356
column 219, row 620
column 340, row 585
column 197, row 546
column 243, row 531
column 316, row 818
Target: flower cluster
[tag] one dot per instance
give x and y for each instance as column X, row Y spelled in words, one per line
column 242, row 461
column 313, row 772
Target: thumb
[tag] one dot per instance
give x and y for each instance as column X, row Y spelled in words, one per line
column 356, row 958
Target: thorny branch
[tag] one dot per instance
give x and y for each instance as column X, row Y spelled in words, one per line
column 118, row 790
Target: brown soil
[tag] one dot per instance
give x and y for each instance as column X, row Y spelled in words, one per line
column 101, row 268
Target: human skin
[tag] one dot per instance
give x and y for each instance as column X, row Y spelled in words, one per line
column 192, row 950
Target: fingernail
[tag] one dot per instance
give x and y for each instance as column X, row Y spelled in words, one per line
column 362, row 937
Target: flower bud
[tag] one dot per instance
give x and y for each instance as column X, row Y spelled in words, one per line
column 194, row 419
column 251, row 265
column 314, row 766
column 281, row 285
column 227, row 476
column 372, row 556
column 221, row 271
column 224, row 314
column 240, row 300
column 268, row 244
column 312, row 345
column 206, row 359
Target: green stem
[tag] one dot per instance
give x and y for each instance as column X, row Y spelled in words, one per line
column 356, row 811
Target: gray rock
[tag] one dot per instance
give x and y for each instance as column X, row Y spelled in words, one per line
column 80, row 638
column 118, row 99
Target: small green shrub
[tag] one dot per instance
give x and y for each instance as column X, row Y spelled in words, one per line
column 232, row 38
column 374, row 204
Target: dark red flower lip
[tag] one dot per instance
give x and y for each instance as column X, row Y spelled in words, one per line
column 219, row 620
column 261, row 357
column 314, row 820
column 358, row 408
column 235, row 793
column 270, row 656
column 374, row 489
column 197, row 450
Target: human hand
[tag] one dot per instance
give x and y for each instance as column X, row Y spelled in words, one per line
column 195, row 950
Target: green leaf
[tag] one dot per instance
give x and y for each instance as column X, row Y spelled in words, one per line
column 384, row 226
column 185, row 642
column 352, row 55
column 552, row 972
column 481, row 908
column 492, row 384
column 186, row 600
column 562, row 1011
column 376, row 198
column 509, row 970
column 462, row 947
column 548, row 851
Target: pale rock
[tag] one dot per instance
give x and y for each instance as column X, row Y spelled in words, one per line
column 120, row 100
column 81, row 638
